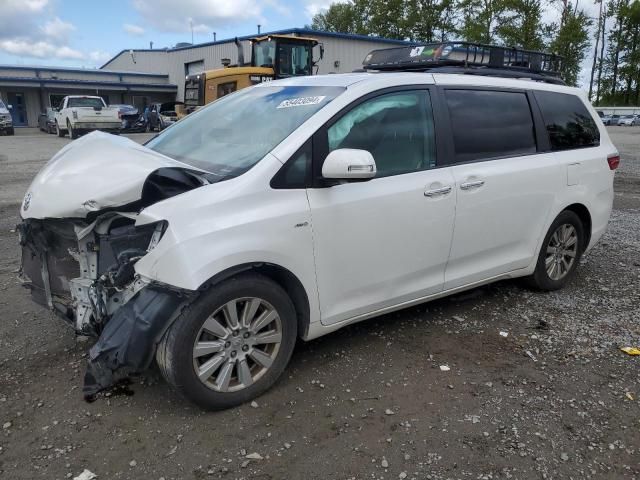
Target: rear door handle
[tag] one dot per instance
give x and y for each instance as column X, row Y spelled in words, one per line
column 437, row 192
column 472, row 185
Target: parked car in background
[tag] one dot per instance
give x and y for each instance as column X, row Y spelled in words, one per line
column 611, row 119
column 6, row 122
column 629, row 120
column 47, row 121
column 80, row 114
column 162, row 115
column 132, row 119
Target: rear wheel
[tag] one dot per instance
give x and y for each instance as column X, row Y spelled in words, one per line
column 560, row 253
column 232, row 344
column 72, row 133
column 59, row 131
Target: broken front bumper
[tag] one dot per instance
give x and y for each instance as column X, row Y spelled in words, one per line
column 85, row 274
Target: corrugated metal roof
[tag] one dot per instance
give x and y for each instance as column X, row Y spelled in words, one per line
column 297, row 31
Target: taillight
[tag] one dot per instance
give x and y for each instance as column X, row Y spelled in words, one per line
column 613, row 161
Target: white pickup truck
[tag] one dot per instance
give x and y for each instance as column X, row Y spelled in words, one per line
column 80, row 114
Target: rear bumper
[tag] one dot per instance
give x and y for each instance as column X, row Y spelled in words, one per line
column 97, row 125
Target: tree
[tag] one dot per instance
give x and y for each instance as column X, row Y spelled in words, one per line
column 432, row 20
column 572, row 41
column 339, row 17
column 595, row 50
column 520, row 24
column 479, row 19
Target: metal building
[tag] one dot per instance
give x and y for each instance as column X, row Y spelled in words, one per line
column 30, row 90
column 343, row 53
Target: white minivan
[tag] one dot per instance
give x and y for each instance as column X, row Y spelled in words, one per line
column 293, row 208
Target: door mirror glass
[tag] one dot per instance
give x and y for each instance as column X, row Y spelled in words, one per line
column 349, row 164
column 9, row 107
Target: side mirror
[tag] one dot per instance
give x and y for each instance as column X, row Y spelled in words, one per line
column 349, row 164
column 9, row 107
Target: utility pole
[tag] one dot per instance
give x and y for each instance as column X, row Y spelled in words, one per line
column 595, row 51
column 259, row 29
column 604, row 29
column 214, row 36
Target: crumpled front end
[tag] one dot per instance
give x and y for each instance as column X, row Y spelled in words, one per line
column 84, row 272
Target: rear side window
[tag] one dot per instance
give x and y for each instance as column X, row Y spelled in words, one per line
column 489, row 124
column 568, row 121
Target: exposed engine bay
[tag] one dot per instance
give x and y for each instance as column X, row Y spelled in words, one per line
column 84, row 272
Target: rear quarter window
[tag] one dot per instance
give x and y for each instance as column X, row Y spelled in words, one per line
column 567, row 120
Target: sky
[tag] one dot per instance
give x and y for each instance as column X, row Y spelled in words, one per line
column 87, row 33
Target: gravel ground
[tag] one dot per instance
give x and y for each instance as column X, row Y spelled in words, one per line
column 555, row 398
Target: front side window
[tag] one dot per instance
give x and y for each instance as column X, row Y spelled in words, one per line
column 397, row 129
column 230, row 135
column 2, row 106
column 490, row 124
column 567, row 120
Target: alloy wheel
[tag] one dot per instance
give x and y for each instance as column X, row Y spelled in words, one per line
column 237, row 344
column 561, row 251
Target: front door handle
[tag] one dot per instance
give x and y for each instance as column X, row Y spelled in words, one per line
column 437, row 192
column 472, row 185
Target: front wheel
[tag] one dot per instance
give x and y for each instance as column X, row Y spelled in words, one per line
column 230, row 345
column 560, row 253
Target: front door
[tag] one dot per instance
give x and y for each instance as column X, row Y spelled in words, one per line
column 18, row 109
column 385, row 241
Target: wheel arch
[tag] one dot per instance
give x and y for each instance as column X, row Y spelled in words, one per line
column 289, row 282
column 585, row 217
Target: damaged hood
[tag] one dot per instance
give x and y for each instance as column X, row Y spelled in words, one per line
column 96, row 172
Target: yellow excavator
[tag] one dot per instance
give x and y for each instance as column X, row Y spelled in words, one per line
column 272, row 57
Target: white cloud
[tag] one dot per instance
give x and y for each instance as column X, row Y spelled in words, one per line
column 30, row 29
column 134, row 30
column 57, row 29
column 39, row 49
column 99, row 56
column 313, row 7
column 205, row 15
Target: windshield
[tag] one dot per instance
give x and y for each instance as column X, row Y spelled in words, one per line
column 85, row 102
column 231, row 135
column 264, row 53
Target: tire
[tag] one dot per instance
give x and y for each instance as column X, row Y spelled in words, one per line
column 59, row 131
column 72, row 133
column 231, row 359
column 11, row 131
column 546, row 276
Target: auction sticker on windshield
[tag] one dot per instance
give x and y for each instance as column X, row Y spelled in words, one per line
column 301, row 101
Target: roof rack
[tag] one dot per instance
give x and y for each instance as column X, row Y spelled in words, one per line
column 468, row 58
